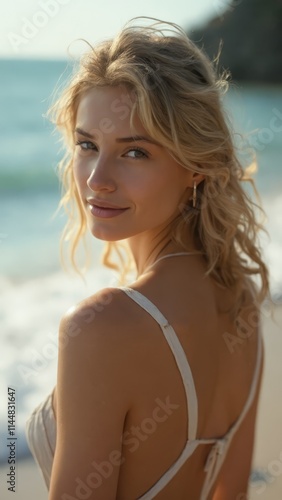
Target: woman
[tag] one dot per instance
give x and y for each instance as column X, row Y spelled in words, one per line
column 158, row 383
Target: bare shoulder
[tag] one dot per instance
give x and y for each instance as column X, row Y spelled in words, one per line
column 95, row 388
column 102, row 334
column 94, row 308
column 107, row 313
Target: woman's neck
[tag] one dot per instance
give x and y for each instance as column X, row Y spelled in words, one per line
column 145, row 253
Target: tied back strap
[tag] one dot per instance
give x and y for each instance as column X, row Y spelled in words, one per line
column 218, row 452
column 253, row 386
column 179, row 355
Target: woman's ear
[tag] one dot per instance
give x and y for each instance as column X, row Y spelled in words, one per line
column 198, row 178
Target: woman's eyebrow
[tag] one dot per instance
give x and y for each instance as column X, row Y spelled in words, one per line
column 82, row 132
column 137, row 138
column 122, row 139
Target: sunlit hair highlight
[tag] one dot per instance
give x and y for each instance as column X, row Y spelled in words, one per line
column 177, row 96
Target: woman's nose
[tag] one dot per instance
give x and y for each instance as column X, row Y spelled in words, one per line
column 100, row 176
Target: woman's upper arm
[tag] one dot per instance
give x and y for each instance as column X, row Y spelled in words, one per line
column 93, row 398
column 233, row 479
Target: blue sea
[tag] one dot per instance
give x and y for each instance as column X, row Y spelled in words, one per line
column 35, row 292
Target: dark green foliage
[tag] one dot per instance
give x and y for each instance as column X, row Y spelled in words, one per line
column 251, row 31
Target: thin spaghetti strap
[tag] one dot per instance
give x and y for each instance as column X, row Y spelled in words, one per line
column 254, row 383
column 172, row 255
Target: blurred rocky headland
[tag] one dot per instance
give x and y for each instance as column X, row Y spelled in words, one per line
column 251, row 32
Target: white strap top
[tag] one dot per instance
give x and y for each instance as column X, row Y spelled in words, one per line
column 218, row 452
column 41, row 426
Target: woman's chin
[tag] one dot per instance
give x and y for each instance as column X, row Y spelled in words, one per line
column 101, row 234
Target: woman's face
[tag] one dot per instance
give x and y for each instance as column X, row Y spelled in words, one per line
column 116, row 166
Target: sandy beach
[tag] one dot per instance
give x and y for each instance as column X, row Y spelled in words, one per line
column 268, row 449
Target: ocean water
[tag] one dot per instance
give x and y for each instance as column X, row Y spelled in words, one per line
column 34, row 291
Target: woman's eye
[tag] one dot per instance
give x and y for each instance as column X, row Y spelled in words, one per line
column 138, row 153
column 86, row 145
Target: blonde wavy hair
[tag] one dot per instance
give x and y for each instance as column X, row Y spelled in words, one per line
column 178, row 100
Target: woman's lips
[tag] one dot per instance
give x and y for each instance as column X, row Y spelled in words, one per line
column 106, row 213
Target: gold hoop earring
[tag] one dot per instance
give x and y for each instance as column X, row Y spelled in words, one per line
column 194, row 194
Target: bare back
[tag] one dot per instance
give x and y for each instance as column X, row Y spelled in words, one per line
column 222, row 356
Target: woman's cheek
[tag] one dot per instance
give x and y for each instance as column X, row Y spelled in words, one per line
column 79, row 172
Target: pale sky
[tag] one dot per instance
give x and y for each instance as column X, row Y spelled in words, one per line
column 45, row 28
